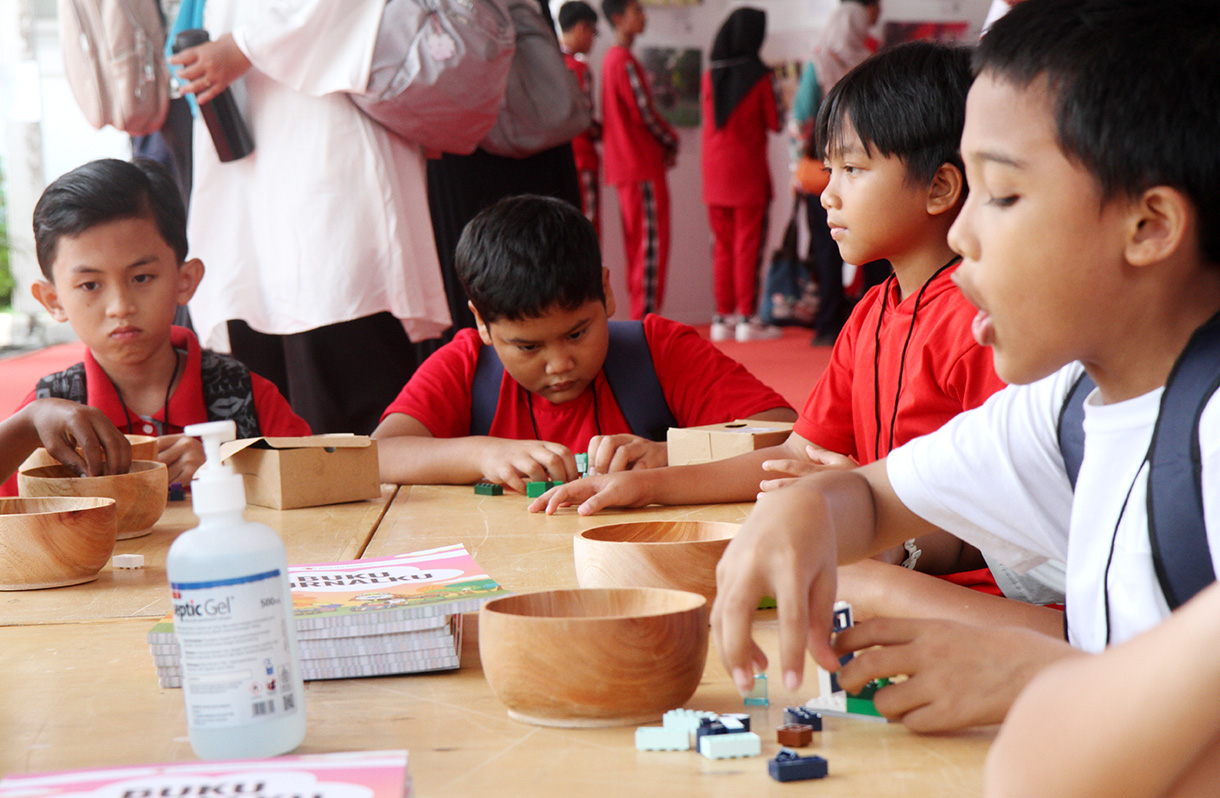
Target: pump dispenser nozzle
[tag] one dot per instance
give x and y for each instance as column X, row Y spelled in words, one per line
column 216, row 488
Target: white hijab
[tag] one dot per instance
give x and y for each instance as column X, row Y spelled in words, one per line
column 840, row 45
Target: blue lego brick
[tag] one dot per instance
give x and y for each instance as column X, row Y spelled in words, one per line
column 803, row 716
column 176, row 492
column 791, row 766
column 758, row 696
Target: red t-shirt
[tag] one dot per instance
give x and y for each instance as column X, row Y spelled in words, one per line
column 945, row 372
column 275, row 417
column 583, row 150
column 736, row 170
column 701, row 386
column 635, row 138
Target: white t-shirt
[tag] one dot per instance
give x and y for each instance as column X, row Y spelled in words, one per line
column 994, row 476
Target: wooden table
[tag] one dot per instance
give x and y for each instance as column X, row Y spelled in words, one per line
column 85, row 695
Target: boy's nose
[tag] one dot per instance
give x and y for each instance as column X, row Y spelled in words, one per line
column 961, row 239
column 120, row 305
column 561, row 363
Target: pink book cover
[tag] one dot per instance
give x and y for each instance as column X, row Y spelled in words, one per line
column 358, row 774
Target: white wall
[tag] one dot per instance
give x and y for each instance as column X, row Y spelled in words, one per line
column 790, row 28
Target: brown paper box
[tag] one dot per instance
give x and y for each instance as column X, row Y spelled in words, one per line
column 286, row 473
column 721, row 441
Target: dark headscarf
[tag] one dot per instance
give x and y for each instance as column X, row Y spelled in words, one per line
column 736, row 66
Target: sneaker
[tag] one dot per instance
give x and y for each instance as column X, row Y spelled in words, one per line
column 722, row 328
column 754, row 330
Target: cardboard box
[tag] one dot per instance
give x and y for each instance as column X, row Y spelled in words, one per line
column 720, row 441
column 285, row 473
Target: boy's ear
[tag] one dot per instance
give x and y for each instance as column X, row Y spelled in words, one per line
column 189, row 275
column 608, row 292
column 1161, row 218
column 945, row 189
column 44, row 291
column 480, row 325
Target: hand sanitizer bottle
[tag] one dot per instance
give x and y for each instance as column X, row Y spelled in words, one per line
column 241, row 675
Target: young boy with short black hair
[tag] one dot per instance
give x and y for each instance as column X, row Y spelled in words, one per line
column 1090, row 244
column 111, row 241
column 639, row 147
column 578, row 31
column 546, row 374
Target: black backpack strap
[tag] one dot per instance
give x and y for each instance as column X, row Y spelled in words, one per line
column 1071, row 425
column 633, row 380
column 67, row 384
column 485, row 390
column 228, row 392
column 1176, row 526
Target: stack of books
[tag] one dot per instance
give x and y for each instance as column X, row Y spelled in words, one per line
column 376, row 617
column 372, row 774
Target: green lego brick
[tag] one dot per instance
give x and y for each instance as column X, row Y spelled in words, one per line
column 862, row 706
column 536, row 489
column 766, row 603
column 488, row 489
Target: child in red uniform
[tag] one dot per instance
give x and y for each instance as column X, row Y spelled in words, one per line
column 638, row 146
column 578, row 30
column 111, row 241
column 61, row 427
column 906, row 362
column 738, row 110
column 532, row 269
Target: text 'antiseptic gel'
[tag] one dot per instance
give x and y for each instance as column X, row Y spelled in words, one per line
column 241, row 675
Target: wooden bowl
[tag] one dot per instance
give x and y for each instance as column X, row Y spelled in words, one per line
column 140, row 495
column 600, row 657
column 676, row 554
column 54, row 541
column 143, row 447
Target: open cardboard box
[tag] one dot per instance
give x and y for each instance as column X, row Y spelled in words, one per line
column 286, row 473
column 692, row 445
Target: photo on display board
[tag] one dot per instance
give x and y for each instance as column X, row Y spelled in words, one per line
column 674, row 74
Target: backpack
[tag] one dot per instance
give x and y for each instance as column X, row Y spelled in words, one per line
column 439, row 71
column 629, row 371
column 113, row 62
column 1176, row 527
column 228, row 391
column 543, row 104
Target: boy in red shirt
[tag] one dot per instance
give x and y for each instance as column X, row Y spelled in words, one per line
column 906, row 362
column 578, row 31
column 111, row 241
column 639, row 147
column 547, row 373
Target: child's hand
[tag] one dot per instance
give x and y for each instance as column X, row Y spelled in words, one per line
column 182, row 455
column 819, row 459
column 514, row 463
column 624, row 489
column 778, row 552
column 611, row 453
column 959, row 675
column 62, row 427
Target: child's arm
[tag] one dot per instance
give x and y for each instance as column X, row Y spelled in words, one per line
column 62, row 426
column 1139, row 720
column 733, row 480
column 409, row 455
column 657, row 126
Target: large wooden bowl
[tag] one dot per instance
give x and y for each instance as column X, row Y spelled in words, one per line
column 143, row 447
column 585, row 658
column 140, row 494
column 54, row 542
column 676, row 554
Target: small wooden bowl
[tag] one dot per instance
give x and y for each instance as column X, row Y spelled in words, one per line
column 55, row 541
column 143, row 447
column 676, row 554
column 140, row 495
column 588, row 658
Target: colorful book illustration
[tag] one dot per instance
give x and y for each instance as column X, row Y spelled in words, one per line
column 373, row 617
column 370, row 774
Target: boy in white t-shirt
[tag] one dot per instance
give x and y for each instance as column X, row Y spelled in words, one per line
column 1090, row 240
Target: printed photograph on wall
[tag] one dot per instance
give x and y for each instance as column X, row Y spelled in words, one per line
column 674, row 74
column 912, row 30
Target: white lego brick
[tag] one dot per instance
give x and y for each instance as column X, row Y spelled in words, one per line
column 659, row 738
column 685, row 719
column 129, row 561
column 729, row 746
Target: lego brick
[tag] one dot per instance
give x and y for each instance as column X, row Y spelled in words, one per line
column 582, row 463
column 709, row 727
column 794, row 735
column 803, row 716
column 659, row 738
column 861, row 706
column 176, row 492
column 730, row 746
column 536, row 489
column 791, row 766
column 758, row 696
column 766, row 603
column 128, row 561
column 489, row 489
column 685, row 719
column 738, row 716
